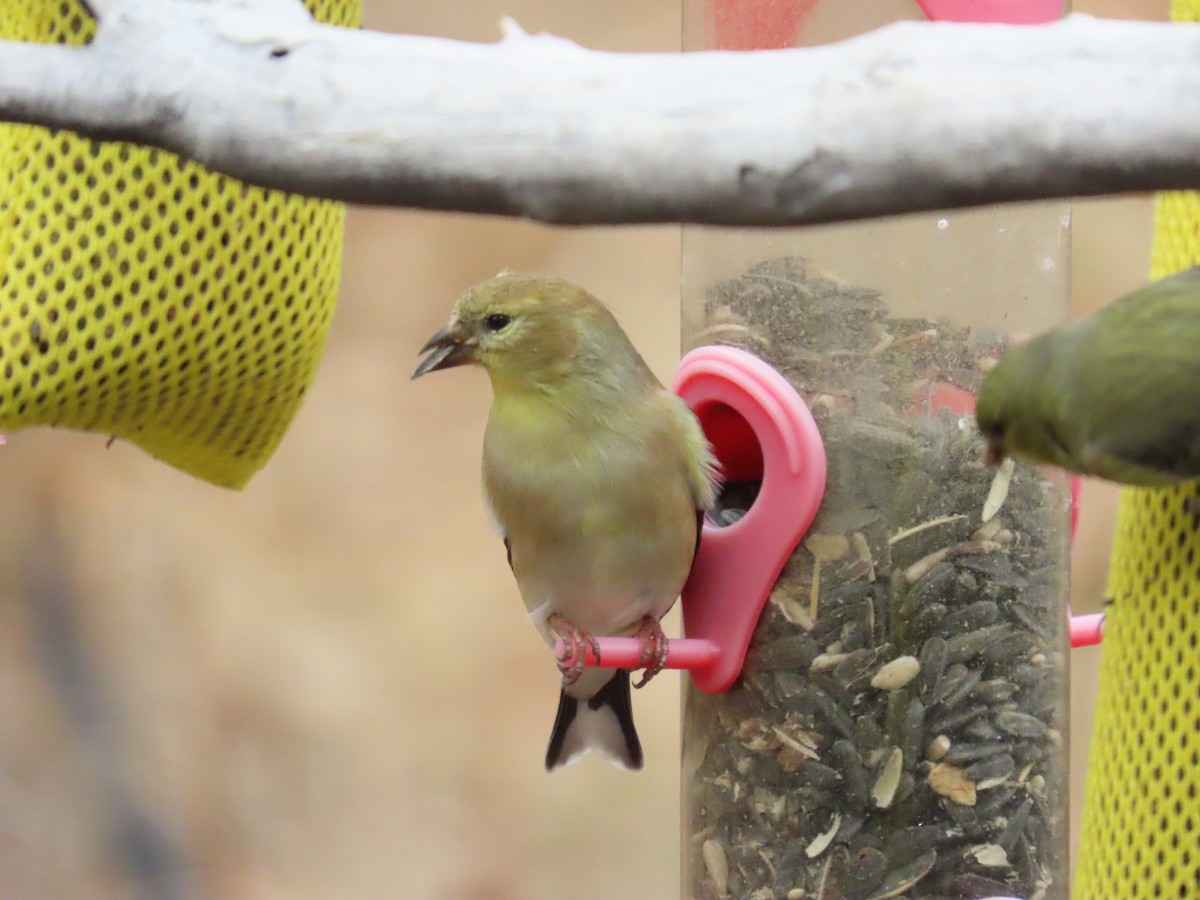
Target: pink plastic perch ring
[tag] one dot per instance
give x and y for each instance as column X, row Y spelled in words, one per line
column 760, row 429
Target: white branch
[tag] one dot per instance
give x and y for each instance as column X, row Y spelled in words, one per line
column 913, row 117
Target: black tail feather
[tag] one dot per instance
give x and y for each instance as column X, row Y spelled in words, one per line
column 567, row 708
column 616, row 738
column 616, row 694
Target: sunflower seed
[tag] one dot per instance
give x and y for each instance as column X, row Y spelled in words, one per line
column 896, row 674
column 961, row 753
column 952, row 679
column 845, row 758
column 956, row 718
column 1020, row 724
column 938, row 748
column 953, row 783
column 717, row 865
column 971, row 617
column 998, row 492
column 963, row 689
column 990, row 855
column 796, row 651
column 900, row 880
column 962, row 647
column 932, row 659
column 995, row 690
column 884, row 790
column 987, row 773
column 1015, row 827
column 914, row 729
column 821, row 842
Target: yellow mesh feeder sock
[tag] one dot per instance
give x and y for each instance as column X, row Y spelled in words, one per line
column 144, row 297
column 1141, row 813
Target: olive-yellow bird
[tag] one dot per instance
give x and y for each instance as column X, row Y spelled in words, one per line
column 1113, row 395
column 598, row 478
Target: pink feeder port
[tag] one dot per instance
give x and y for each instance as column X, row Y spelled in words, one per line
column 1009, row 12
column 761, row 430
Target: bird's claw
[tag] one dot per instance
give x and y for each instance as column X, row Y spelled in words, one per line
column 654, row 649
column 576, row 642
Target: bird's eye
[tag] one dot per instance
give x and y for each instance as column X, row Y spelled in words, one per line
column 497, row 321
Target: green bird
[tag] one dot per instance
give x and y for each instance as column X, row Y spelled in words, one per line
column 598, row 478
column 1115, row 395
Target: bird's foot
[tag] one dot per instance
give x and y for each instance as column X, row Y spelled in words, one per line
column 576, row 642
column 654, row 649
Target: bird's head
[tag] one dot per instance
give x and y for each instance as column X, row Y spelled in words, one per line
column 991, row 417
column 527, row 330
column 1016, row 407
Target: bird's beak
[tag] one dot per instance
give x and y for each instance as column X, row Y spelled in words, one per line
column 995, row 454
column 446, row 350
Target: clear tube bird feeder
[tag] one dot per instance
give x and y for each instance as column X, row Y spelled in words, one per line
column 898, row 729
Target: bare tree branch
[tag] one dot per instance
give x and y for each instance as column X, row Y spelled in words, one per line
column 913, row 117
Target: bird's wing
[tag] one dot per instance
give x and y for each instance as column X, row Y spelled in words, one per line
column 1151, row 452
column 700, row 466
column 1143, row 421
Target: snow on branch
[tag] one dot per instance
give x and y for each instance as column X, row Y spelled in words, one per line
column 915, row 116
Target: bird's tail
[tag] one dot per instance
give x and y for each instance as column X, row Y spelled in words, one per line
column 602, row 722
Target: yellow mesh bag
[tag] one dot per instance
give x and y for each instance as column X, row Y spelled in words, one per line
column 1141, row 816
column 145, row 297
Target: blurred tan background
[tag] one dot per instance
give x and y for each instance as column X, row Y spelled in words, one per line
column 325, row 687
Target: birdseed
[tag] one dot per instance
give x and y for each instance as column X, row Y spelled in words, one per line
column 895, row 731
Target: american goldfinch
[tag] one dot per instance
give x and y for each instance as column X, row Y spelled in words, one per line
column 598, row 478
column 1113, row 395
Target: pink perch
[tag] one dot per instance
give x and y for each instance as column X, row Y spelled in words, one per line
column 626, row 653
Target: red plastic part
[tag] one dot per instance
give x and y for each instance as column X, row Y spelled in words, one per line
column 757, row 24
column 1087, row 631
column 1008, row 12
column 943, row 395
column 775, row 24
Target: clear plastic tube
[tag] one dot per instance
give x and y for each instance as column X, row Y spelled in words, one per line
column 898, row 729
